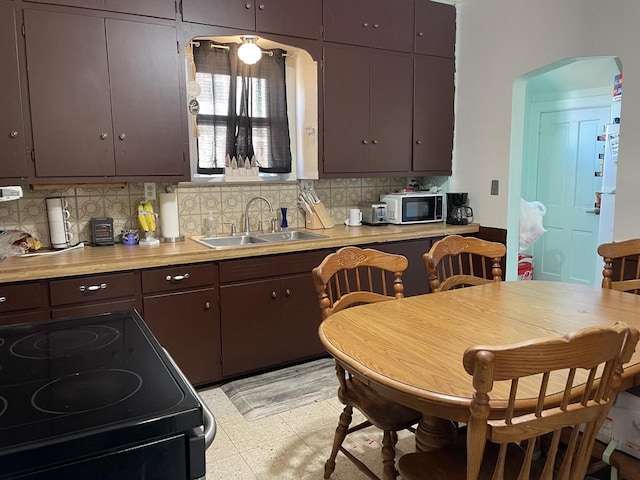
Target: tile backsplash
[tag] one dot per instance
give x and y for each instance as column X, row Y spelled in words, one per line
column 227, row 202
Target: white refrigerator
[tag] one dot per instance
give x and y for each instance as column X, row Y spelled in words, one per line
column 609, row 161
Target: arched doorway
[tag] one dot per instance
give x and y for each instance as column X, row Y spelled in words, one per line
column 558, row 112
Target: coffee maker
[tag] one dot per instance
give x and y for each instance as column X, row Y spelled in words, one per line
column 458, row 210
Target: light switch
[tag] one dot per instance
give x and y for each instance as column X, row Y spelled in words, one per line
column 495, row 187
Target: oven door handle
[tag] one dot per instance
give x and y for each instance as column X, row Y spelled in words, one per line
column 208, row 418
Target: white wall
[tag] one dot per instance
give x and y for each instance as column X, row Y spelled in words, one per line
column 500, row 40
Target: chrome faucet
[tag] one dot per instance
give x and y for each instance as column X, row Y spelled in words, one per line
column 247, row 228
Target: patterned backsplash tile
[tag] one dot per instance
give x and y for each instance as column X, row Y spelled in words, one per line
column 226, row 202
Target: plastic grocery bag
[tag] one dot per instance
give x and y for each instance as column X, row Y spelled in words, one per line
column 531, row 228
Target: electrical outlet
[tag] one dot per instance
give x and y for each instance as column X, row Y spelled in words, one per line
column 306, row 184
column 495, row 187
column 149, row 191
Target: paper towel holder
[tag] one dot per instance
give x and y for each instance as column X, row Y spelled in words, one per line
column 169, row 213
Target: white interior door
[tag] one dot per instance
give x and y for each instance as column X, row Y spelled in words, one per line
column 566, row 185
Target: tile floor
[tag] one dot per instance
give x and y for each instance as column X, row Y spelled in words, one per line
column 289, row 446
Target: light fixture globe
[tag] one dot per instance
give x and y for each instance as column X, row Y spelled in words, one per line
column 249, row 52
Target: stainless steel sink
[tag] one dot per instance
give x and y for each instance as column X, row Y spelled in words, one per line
column 290, row 236
column 231, row 241
column 258, row 239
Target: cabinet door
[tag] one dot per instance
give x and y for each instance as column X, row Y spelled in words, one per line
column 300, row 318
column 24, row 302
column 414, row 279
column 251, row 330
column 69, row 94
column 145, row 97
column 295, row 18
column 151, row 8
column 435, row 29
column 12, row 135
column 391, row 101
column 374, row 23
column 226, row 13
column 187, row 324
column 346, row 110
column 433, row 115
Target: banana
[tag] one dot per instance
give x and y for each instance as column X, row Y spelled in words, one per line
column 142, row 216
column 151, row 217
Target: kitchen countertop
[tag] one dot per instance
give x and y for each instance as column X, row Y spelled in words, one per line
column 104, row 259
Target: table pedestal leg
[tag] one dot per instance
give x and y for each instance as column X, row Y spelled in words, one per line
column 434, row 432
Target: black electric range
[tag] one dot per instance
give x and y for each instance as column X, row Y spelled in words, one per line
column 95, row 397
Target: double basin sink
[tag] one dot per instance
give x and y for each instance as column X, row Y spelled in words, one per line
column 258, row 239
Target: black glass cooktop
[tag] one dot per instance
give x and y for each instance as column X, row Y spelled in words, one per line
column 104, row 376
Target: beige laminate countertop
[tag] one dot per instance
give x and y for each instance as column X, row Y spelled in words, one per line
column 119, row 257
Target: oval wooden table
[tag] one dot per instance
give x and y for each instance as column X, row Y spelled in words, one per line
column 411, row 349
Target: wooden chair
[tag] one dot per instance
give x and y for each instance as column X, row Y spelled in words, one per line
column 354, row 276
column 621, row 265
column 503, row 445
column 457, row 261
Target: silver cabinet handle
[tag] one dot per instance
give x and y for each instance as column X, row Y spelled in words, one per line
column 365, row 142
column 261, row 6
column 274, row 294
column 122, row 136
column 287, row 292
column 418, row 142
column 375, row 142
column 421, row 34
column 14, row 134
column 365, row 25
column 176, row 278
column 376, row 25
column 247, row 6
column 3, row 299
column 104, row 136
column 207, row 305
column 93, row 288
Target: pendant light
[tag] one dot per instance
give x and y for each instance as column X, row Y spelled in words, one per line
column 249, row 52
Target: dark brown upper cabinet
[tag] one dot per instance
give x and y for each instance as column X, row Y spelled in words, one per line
column 150, row 8
column 105, row 97
column 367, row 111
column 435, row 29
column 433, row 120
column 372, row 23
column 12, row 133
column 295, row 18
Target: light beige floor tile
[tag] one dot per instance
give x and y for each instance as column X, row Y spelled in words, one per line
column 311, row 417
column 222, row 446
column 284, row 459
column 247, row 435
column 220, row 405
column 230, row 468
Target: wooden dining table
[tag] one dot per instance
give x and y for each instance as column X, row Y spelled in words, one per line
column 411, row 349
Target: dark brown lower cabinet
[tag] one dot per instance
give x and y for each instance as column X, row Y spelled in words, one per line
column 24, row 302
column 181, row 309
column 269, row 311
column 414, row 279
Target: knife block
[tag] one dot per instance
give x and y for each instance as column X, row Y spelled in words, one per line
column 312, row 222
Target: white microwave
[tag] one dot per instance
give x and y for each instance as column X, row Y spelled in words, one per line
column 414, row 207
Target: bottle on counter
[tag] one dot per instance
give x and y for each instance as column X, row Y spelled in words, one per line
column 210, row 225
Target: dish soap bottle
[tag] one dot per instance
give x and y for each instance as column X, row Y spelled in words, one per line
column 210, row 225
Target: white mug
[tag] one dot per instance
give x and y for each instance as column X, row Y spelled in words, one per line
column 355, row 216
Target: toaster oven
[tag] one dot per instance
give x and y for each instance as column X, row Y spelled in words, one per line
column 414, row 207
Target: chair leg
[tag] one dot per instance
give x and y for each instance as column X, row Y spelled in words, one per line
column 389, row 440
column 338, row 438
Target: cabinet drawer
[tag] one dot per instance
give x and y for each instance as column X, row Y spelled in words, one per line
column 270, row 266
column 96, row 308
column 179, row 278
column 96, row 288
column 21, row 297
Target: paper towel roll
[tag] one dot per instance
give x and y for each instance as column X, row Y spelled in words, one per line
column 169, row 222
